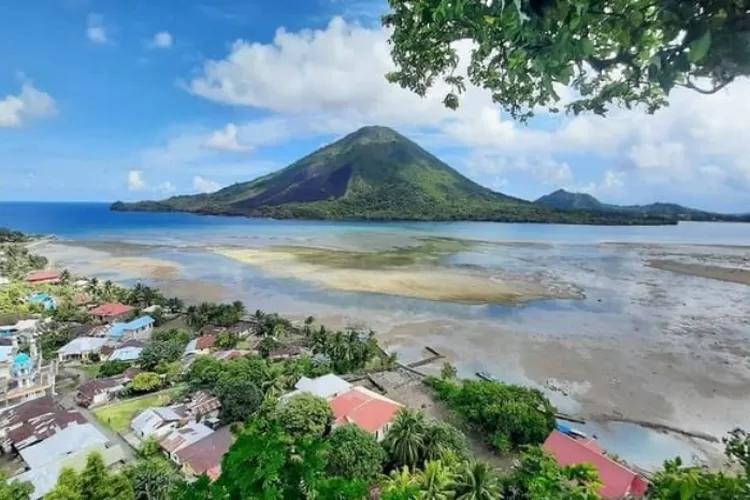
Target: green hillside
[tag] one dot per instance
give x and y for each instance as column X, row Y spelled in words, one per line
column 565, row 200
column 374, row 173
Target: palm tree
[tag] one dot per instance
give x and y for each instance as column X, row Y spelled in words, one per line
column 435, row 482
column 65, row 277
column 405, row 438
column 476, row 481
column 93, row 287
column 108, row 290
column 400, row 484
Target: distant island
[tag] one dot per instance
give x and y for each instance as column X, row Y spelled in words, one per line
column 376, row 173
column 565, row 200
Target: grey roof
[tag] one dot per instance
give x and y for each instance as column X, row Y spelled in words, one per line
column 44, row 478
column 82, row 344
column 184, row 436
column 150, row 420
column 191, row 348
column 325, row 387
column 6, row 352
column 68, row 441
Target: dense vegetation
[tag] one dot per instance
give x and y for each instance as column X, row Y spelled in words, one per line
column 622, row 52
column 566, row 200
column 374, row 174
column 508, row 416
column 10, row 236
column 18, row 261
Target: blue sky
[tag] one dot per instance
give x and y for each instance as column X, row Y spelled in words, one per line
column 111, row 99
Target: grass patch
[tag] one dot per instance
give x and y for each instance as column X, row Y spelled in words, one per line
column 91, row 370
column 117, row 416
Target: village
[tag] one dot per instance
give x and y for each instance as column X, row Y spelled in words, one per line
column 92, row 367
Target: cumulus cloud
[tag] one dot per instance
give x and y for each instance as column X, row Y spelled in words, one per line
column 204, row 185
column 96, row 32
column 226, row 139
column 162, row 40
column 29, row 103
column 135, row 181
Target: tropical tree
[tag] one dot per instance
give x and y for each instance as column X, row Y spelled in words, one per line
column 441, row 439
column 405, row 439
column 476, row 481
column 448, row 371
column 435, row 481
column 93, row 287
column 94, row 482
column 628, row 52
column 65, row 277
column 14, row 490
column 152, row 479
column 305, row 415
column 239, row 397
column 145, row 382
column 400, row 485
column 160, row 351
column 355, row 454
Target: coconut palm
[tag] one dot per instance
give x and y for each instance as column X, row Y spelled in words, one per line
column 400, row 484
column 435, row 481
column 65, row 277
column 476, row 481
column 93, row 287
column 405, row 438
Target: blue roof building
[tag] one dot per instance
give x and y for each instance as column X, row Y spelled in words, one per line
column 43, row 298
column 118, row 330
column 129, row 353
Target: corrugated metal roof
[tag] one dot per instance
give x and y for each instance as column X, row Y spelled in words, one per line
column 325, row 387
column 126, row 354
column 184, row 436
column 82, row 344
column 66, row 442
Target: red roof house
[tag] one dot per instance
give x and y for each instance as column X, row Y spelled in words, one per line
column 204, row 456
column 366, row 409
column 618, row 481
column 39, row 277
column 111, row 312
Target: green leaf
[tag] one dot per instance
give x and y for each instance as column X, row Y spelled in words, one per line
column 699, row 48
column 489, row 20
column 587, row 47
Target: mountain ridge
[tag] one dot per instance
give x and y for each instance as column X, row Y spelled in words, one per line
column 374, row 173
column 562, row 199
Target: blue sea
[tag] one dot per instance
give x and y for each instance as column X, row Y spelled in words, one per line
column 94, row 221
column 625, row 299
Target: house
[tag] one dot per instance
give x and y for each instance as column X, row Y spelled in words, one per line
column 46, row 300
column 24, row 327
column 228, row 355
column 101, row 390
column 326, row 387
column 155, row 422
column 366, row 409
column 40, row 427
column 183, row 437
column 111, row 312
column 200, row 346
column 152, row 309
column 126, row 354
column 82, row 300
column 80, row 348
column 43, row 277
column 139, row 327
column 617, row 480
column 285, row 352
column 105, row 352
column 44, row 478
column 205, row 454
column 203, row 405
column 66, row 442
column 14, row 417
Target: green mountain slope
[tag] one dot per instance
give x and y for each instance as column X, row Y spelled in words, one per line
column 373, row 173
column 565, row 200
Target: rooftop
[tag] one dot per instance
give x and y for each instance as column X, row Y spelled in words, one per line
column 126, row 354
column 42, row 426
column 110, row 310
column 367, row 410
column 325, row 387
column 119, row 329
column 42, row 276
column 82, row 344
column 66, row 442
column 151, row 419
column 25, row 411
column 618, row 481
column 184, row 436
column 94, row 387
column 206, row 454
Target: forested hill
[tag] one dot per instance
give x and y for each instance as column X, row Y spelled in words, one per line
column 374, row 173
column 565, row 200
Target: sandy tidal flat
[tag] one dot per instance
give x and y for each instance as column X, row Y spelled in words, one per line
column 423, row 282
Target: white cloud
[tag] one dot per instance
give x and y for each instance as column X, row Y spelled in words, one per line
column 135, row 181
column 162, row 40
column 95, row 30
column 204, row 185
column 165, row 187
column 226, row 139
column 29, row 103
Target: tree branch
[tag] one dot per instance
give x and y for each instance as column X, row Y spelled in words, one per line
column 690, row 85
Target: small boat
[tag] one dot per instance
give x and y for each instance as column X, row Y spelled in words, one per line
column 570, row 431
